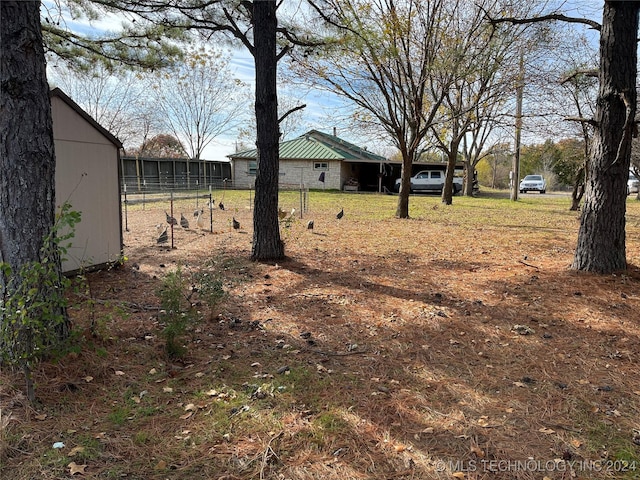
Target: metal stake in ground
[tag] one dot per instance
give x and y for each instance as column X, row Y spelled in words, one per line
column 126, row 215
column 210, row 211
column 172, row 246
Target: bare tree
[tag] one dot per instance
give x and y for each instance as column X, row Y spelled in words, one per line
column 578, row 85
column 484, row 72
column 199, row 99
column 388, row 61
column 113, row 97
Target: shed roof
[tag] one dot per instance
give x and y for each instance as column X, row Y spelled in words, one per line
column 56, row 92
column 316, row 145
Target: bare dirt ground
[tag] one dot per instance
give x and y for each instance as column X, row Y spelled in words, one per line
column 456, row 344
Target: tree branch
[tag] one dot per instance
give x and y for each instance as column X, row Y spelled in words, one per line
column 286, row 114
column 589, row 73
column 589, row 121
column 545, row 18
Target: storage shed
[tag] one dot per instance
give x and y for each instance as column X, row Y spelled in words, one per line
column 87, row 177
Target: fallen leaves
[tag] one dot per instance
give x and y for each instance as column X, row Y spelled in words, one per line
column 523, row 330
column 191, row 409
column 75, row 468
column 75, row 450
column 477, row 451
column 435, row 364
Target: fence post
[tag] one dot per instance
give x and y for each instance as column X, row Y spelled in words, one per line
column 126, row 214
column 172, row 244
column 210, row 211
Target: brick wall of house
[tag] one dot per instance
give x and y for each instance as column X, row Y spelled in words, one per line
column 294, row 172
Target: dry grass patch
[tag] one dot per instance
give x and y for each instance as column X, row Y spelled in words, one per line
column 455, row 342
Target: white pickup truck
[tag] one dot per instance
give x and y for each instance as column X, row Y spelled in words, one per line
column 431, row 181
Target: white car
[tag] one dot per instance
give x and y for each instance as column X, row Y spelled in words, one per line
column 633, row 184
column 431, row 181
column 533, row 183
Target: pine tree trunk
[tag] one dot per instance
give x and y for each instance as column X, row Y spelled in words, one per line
column 601, row 239
column 27, row 162
column 267, row 244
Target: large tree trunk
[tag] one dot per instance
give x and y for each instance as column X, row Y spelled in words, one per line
column 267, row 244
column 402, row 209
column 452, row 158
column 27, row 162
column 27, row 177
column 601, row 238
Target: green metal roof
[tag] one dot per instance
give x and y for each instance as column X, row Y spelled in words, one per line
column 315, row 145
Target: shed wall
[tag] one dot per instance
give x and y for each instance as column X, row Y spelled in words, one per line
column 87, row 178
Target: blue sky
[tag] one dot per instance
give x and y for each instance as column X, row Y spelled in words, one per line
column 321, row 109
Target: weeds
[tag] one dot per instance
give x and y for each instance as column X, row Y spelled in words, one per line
column 33, row 317
column 177, row 311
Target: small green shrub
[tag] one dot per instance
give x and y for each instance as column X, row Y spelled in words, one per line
column 33, row 316
column 176, row 309
column 175, row 312
column 210, row 288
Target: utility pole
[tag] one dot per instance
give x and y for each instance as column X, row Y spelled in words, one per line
column 515, row 179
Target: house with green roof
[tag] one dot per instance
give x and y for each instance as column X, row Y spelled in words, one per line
column 318, row 160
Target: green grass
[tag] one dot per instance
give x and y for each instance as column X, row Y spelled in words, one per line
column 118, row 416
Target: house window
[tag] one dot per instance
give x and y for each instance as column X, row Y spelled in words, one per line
column 324, row 166
column 253, row 167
